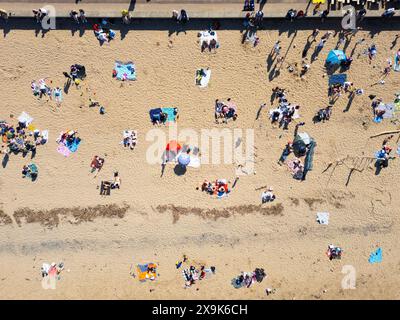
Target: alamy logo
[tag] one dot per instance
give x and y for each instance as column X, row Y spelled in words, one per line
column 49, row 20
column 349, row 18
column 349, row 280
column 238, row 146
column 49, row 282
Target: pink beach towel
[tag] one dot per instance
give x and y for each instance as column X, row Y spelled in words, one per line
column 63, row 150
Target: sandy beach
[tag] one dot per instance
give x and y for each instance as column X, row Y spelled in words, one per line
column 62, row 217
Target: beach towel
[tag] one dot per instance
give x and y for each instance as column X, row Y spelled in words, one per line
column 206, row 36
column 125, row 70
column 201, row 80
column 25, row 118
column 144, row 274
column 398, row 150
column 194, row 162
column 63, row 150
column 73, row 146
column 389, row 107
column 155, row 114
column 340, row 78
column 323, row 217
column 171, row 112
column 375, row 256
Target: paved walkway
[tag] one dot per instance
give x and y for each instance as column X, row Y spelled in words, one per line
column 163, row 8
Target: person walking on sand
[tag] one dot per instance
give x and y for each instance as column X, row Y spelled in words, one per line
column 277, row 48
column 388, row 13
column 324, row 15
column 74, row 15
column 4, row 14
column 126, row 17
column 82, row 16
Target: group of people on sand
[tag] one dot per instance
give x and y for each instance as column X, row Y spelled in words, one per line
column 78, row 16
column 39, row 14
column 285, row 112
column 180, row 17
column 218, row 187
column 68, row 137
column 225, row 111
column 103, row 32
column 19, row 139
column 246, row 279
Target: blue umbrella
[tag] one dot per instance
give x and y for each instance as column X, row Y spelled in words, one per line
column 184, row 159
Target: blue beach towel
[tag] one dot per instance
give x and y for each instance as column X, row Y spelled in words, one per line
column 73, row 146
column 378, row 119
column 339, row 78
column 155, row 114
column 125, row 70
column 171, row 114
column 376, row 256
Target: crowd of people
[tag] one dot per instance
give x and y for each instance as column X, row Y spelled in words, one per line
column 218, row 187
column 20, row 139
column 285, row 112
column 247, row 279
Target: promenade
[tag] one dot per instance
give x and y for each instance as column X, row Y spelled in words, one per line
column 163, row 8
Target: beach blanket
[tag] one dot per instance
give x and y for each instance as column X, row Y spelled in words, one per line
column 206, row 36
column 340, row 78
column 389, row 109
column 202, row 80
column 376, row 256
column 25, row 118
column 171, row 114
column 155, row 114
column 194, row 162
column 62, row 149
column 144, row 274
column 323, row 217
column 73, row 146
column 125, row 71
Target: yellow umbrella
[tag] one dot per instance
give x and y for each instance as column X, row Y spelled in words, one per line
column 318, row 1
column 31, row 127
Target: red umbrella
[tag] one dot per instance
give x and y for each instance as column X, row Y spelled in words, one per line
column 173, row 145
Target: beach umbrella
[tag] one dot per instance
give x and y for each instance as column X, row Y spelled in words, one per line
column 335, row 57
column 184, row 159
column 173, row 145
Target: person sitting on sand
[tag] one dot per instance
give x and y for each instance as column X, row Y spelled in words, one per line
column 334, row 252
column 268, row 196
column 96, row 164
column 117, row 181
